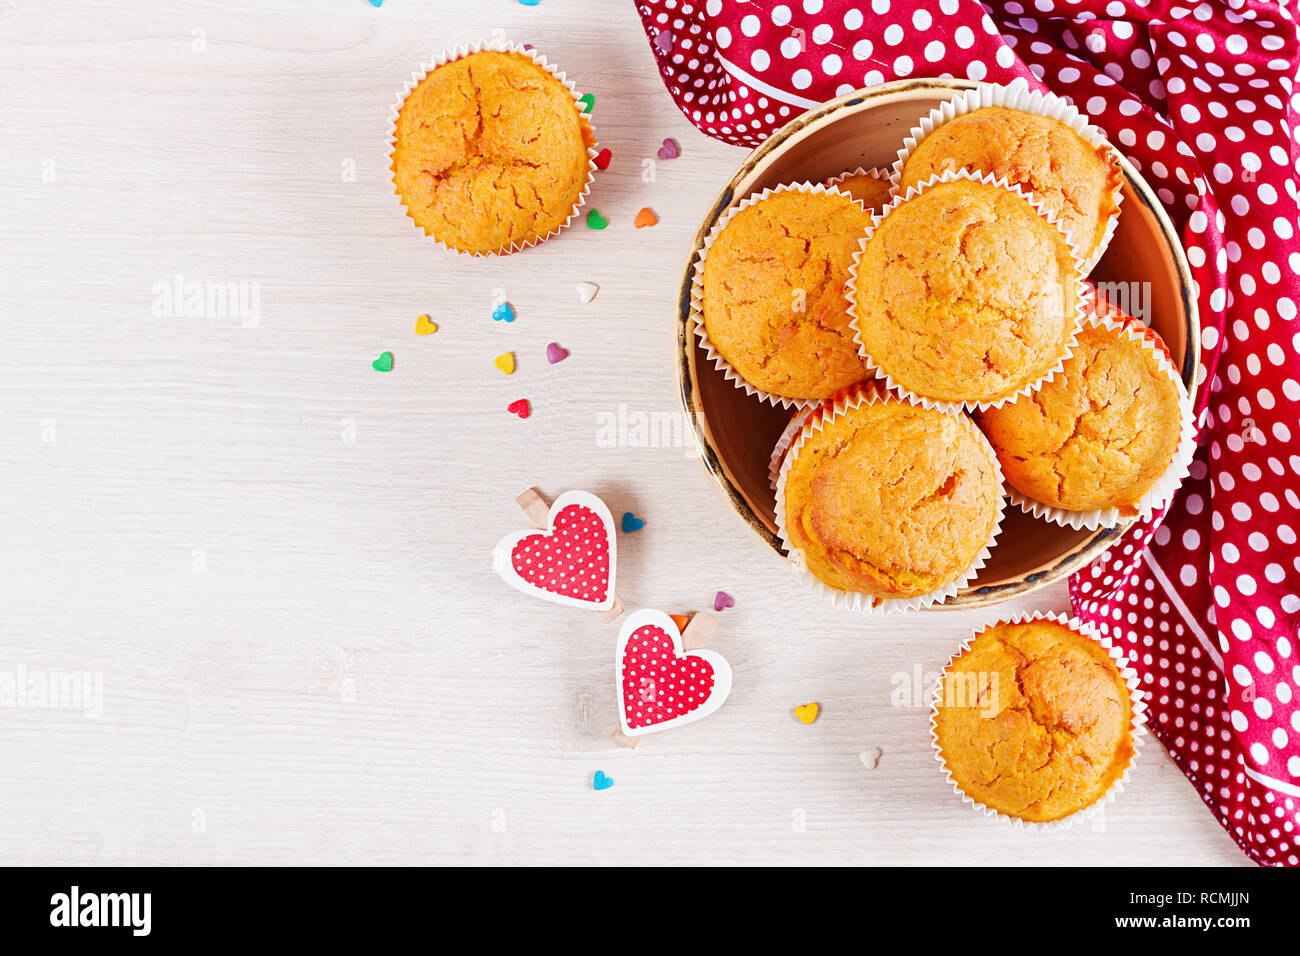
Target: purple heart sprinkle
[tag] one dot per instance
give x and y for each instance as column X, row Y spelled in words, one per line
column 669, row 149
column 554, row 353
column 722, row 601
column 664, row 42
column 529, row 46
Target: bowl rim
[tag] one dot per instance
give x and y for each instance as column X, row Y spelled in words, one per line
column 1066, row 564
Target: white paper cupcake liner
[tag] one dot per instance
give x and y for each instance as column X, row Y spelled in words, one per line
column 1018, row 96
column 912, row 192
column 458, row 52
column 856, row 600
column 875, row 172
column 1167, row 485
column 797, row 422
column 1137, row 725
column 697, row 292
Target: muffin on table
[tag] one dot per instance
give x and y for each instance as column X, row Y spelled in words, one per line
column 1034, row 720
column 965, row 294
column 771, row 290
column 889, row 499
column 490, row 153
column 1100, row 434
column 1072, row 179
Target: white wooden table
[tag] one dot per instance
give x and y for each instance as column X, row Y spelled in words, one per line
column 278, row 559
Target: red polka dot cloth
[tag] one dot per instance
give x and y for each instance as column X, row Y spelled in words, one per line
column 1201, row 98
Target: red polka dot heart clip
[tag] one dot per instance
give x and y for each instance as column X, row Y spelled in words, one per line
column 571, row 560
column 660, row 683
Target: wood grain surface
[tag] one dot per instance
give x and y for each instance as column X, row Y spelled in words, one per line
column 276, row 559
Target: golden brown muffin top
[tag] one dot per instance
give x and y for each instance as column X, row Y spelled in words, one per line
column 869, row 188
column 891, row 499
column 1070, row 177
column 773, row 291
column 1034, row 720
column 965, row 293
column 491, row 152
column 1099, row 434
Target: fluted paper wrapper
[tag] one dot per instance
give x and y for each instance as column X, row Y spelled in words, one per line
column 850, row 294
column 819, row 418
column 1137, row 726
column 1018, row 96
column 459, row 52
column 697, row 293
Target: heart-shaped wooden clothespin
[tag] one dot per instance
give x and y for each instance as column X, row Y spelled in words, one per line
column 572, row 561
column 664, row 676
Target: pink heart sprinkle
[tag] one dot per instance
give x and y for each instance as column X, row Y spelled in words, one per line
column 669, row 149
column 722, row 601
column 554, row 353
column 664, row 42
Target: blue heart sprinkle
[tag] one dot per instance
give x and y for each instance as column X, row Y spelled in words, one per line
column 631, row 523
column 601, row 782
column 529, row 3
column 503, row 313
column 376, row 3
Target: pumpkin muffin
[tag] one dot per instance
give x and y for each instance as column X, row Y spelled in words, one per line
column 890, row 499
column 869, row 187
column 1100, row 434
column 965, row 294
column 490, row 153
column 1034, row 720
column 772, row 293
column 1072, row 179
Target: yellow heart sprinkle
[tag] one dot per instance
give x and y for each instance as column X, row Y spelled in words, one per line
column 425, row 326
column 807, row 712
column 506, row 362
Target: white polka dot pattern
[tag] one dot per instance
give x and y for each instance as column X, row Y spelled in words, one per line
column 573, row 560
column 1201, row 98
column 657, row 684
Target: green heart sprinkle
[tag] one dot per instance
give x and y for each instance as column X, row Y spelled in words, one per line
column 595, row 220
column 587, row 100
column 384, row 363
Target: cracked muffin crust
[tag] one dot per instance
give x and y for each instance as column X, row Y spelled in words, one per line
column 1034, row 720
column 965, row 293
column 490, row 153
column 773, row 293
column 871, row 188
column 1072, row 179
column 890, row 499
column 1099, row 435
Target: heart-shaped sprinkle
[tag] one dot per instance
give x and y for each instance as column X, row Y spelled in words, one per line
column 376, row 3
column 425, row 326
column 587, row 291
column 601, row 782
column 519, row 407
column 871, row 757
column 669, row 149
column 384, row 363
column 807, row 712
column 603, row 158
column 506, row 362
column 587, row 101
column 554, row 353
column 645, row 218
column 529, row 46
column 529, row 3
column 631, row 523
column 681, row 620
column 595, row 220
column 664, row 42
column 503, row 313
column 722, row 600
